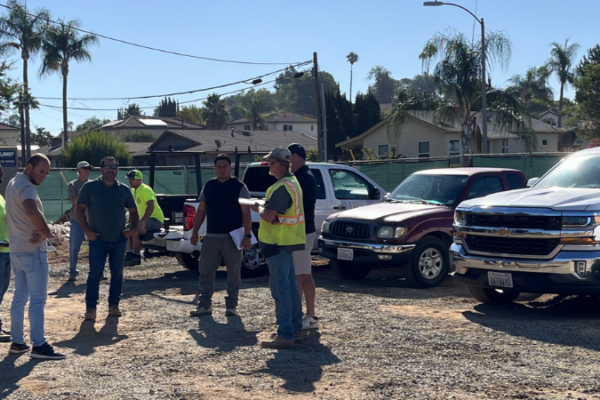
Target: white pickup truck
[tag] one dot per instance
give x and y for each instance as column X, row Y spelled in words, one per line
column 545, row 239
column 339, row 188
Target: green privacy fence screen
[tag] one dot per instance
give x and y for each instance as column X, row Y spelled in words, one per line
column 387, row 173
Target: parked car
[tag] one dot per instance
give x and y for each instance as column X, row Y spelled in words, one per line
column 339, row 187
column 412, row 228
column 545, row 239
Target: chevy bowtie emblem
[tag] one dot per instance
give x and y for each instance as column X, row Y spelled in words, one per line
column 503, row 232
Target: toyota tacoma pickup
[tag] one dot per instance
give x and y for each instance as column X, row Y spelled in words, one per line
column 412, row 228
column 545, row 239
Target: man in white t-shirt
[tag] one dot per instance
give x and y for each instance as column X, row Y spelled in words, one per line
column 27, row 233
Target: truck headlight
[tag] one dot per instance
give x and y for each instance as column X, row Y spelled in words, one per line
column 385, row 232
column 325, row 227
column 459, row 217
column 577, row 221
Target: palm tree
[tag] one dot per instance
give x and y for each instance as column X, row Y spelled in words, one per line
column 352, row 57
column 531, row 86
column 214, row 112
column 561, row 59
column 23, row 31
column 458, row 78
column 62, row 43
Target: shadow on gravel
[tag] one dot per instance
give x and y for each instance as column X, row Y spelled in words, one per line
column 11, row 374
column 564, row 320
column 223, row 337
column 301, row 366
column 185, row 280
column 87, row 339
column 67, row 289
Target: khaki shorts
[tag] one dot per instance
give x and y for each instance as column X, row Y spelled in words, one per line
column 302, row 260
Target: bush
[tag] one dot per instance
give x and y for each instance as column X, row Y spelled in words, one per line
column 93, row 147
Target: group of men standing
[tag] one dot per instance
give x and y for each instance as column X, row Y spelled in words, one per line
column 286, row 236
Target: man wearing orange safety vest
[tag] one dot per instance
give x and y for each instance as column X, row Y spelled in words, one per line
column 282, row 232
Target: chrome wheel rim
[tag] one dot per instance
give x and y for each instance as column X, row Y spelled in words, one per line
column 430, row 263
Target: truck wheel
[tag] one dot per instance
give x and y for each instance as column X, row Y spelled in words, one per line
column 254, row 263
column 493, row 296
column 189, row 261
column 429, row 264
column 350, row 270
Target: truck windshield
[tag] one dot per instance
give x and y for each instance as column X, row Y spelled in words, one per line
column 441, row 189
column 574, row 172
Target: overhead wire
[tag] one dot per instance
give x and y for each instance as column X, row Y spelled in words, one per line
column 154, row 48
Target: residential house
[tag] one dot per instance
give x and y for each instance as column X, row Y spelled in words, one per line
column 283, row 121
column 144, row 124
column 421, row 137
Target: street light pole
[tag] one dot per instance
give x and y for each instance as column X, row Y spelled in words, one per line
column 484, row 145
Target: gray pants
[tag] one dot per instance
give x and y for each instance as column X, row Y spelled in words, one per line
column 213, row 248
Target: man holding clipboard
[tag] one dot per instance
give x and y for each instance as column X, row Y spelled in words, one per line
column 219, row 204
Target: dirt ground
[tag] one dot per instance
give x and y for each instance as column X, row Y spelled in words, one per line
column 379, row 339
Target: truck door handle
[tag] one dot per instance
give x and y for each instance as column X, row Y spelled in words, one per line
column 339, row 208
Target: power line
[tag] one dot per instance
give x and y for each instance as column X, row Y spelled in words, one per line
column 177, row 93
column 152, row 48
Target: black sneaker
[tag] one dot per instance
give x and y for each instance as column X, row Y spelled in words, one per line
column 19, row 348
column 46, row 352
column 4, row 335
column 131, row 260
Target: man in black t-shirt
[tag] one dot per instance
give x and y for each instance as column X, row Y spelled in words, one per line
column 302, row 258
column 219, row 204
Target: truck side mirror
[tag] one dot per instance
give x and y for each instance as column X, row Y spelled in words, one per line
column 532, row 182
column 376, row 193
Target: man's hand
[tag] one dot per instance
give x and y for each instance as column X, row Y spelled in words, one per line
column 194, row 239
column 246, row 243
column 129, row 233
column 91, row 235
column 142, row 227
column 37, row 237
column 255, row 206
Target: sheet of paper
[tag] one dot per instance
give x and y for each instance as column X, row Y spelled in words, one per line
column 238, row 235
column 251, row 202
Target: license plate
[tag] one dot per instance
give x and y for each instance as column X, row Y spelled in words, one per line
column 345, row 254
column 500, row 279
column 160, row 242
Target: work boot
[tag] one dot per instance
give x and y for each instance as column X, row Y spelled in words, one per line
column 114, row 311
column 278, row 343
column 90, row 314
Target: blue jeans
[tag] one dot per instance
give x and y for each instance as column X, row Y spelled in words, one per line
column 75, row 241
column 285, row 292
column 99, row 250
column 4, row 276
column 31, row 281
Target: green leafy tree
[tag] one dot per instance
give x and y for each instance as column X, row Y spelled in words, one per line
column 93, row 147
column 340, row 121
column 384, row 86
column 21, row 30
column 239, row 104
column 297, row 94
column 8, row 88
column 560, row 63
column 167, row 108
column 352, row 58
column 421, row 83
column 132, row 109
column 214, row 112
column 41, row 137
column 91, row 124
column 592, row 57
column 367, row 113
column 532, row 85
column 138, row 137
column 62, row 44
column 458, row 75
column 587, row 94
column 191, row 114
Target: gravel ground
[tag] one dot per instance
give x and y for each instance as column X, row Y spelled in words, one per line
column 379, row 339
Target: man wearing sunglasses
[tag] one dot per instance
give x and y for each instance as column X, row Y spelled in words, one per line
column 76, row 236
column 106, row 200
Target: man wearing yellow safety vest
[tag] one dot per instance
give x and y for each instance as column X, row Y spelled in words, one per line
column 281, row 232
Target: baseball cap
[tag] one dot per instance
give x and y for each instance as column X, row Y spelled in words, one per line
column 83, row 164
column 296, row 148
column 280, row 153
column 134, row 174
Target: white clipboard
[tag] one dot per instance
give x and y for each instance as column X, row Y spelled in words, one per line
column 250, row 202
column 238, row 235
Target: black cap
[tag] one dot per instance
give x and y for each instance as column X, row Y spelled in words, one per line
column 296, row 148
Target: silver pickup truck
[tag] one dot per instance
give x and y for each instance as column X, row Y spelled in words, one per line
column 545, row 239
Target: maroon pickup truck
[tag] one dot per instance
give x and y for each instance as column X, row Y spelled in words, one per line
column 412, row 228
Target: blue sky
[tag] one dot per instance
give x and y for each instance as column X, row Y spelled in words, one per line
column 387, row 33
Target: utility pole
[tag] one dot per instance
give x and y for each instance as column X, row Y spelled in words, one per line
column 320, row 148
column 23, row 140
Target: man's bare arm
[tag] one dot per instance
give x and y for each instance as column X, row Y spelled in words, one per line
column 198, row 221
column 267, row 215
column 36, row 217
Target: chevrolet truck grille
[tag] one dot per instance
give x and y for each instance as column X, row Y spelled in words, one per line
column 350, row 230
column 548, row 223
column 516, row 246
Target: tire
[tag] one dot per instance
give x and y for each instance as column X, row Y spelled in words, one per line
column 429, row 264
column 189, row 261
column 493, row 296
column 254, row 263
column 350, row 270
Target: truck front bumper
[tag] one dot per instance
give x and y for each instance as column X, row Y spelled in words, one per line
column 370, row 253
column 569, row 272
